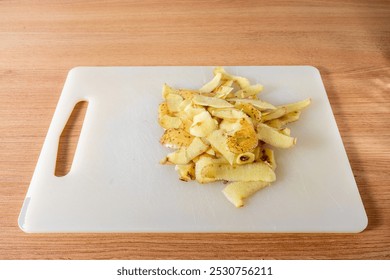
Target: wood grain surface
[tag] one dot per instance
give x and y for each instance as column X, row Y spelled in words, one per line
column 349, row 41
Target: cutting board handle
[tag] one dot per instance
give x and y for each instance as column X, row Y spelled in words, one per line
column 60, row 119
column 69, row 98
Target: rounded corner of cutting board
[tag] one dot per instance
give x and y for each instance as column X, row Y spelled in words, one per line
column 21, row 224
column 313, row 69
column 75, row 69
column 363, row 225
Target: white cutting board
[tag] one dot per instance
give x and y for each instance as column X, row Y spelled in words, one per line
column 116, row 183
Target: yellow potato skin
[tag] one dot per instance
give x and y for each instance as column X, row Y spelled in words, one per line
column 176, row 138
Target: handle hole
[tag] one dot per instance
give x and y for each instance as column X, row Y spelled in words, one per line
column 69, row 139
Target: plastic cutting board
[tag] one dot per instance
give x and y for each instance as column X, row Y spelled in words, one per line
column 116, row 183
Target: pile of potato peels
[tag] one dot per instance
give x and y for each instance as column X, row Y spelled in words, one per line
column 223, row 131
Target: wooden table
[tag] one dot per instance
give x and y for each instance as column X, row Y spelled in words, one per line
column 349, row 41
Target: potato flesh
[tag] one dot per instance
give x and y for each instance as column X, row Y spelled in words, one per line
column 230, row 126
column 201, row 164
column 186, row 171
column 261, row 105
column 196, row 148
column 167, row 90
column 211, row 102
column 177, row 157
column 210, row 86
column 298, row 106
column 192, row 111
column 249, row 91
column 218, row 140
column 241, row 81
column 185, row 155
column 227, row 113
column 210, row 152
column 223, row 92
column 203, row 124
column 282, row 121
column 168, row 122
column 258, row 171
column 237, row 192
column 173, row 102
column 273, row 137
column 277, row 113
column 223, row 131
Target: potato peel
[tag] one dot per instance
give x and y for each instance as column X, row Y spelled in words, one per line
column 223, row 131
column 241, row 81
column 186, row 171
column 211, row 102
column 277, row 113
column 258, row 171
column 298, row 106
column 245, row 158
column 237, row 192
column 226, row 113
column 259, row 104
column 273, row 137
column 250, row 110
column 196, row 148
column 168, row 122
column 249, row 91
column 203, row 124
column 218, row 140
column 173, row 102
column 176, row 138
column 201, row 164
column 244, row 139
column 207, row 88
column 279, row 123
